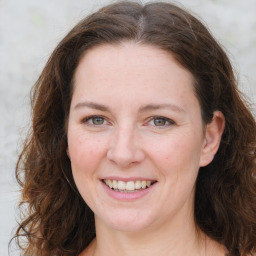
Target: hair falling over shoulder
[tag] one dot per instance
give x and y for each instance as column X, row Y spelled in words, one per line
column 55, row 219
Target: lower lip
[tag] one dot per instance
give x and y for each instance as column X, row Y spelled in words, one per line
column 127, row 196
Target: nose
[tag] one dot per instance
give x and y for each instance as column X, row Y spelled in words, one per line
column 124, row 149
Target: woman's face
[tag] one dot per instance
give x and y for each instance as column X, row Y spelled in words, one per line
column 135, row 137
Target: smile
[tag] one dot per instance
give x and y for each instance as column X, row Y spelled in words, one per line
column 129, row 186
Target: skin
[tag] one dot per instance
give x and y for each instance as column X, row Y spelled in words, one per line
column 122, row 85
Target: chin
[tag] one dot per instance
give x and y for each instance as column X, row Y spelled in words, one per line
column 127, row 221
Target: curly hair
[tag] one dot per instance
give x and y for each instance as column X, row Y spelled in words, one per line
column 56, row 220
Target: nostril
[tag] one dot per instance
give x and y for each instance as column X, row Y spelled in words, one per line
column 122, row 157
column 125, row 156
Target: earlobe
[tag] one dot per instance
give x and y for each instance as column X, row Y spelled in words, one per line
column 213, row 134
column 68, row 153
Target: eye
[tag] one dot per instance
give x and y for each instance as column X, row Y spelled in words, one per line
column 161, row 121
column 95, row 120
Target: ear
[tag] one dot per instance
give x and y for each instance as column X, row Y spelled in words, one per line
column 68, row 153
column 213, row 133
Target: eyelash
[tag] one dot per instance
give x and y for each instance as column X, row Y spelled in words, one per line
column 90, row 118
column 154, row 118
column 167, row 120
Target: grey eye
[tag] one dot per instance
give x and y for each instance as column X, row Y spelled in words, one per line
column 159, row 121
column 97, row 120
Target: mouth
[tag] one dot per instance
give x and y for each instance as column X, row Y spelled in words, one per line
column 129, row 186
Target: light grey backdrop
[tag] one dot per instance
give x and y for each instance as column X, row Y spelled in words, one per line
column 29, row 31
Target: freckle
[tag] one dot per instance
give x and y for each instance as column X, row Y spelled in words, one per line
column 80, row 141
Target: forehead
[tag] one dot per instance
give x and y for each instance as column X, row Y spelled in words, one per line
column 130, row 55
column 134, row 71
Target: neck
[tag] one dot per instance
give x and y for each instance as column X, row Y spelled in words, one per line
column 169, row 239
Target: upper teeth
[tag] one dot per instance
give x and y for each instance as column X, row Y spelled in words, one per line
column 129, row 185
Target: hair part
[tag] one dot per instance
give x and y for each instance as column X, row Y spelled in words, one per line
column 58, row 221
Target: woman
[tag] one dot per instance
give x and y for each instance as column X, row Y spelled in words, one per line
column 141, row 143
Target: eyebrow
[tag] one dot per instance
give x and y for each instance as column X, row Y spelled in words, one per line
column 92, row 105
column 151, row 107
column 146, row 108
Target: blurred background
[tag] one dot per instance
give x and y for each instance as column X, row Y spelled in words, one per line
column 31, row 29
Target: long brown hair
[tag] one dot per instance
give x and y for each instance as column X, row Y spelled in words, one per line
column 56, row 220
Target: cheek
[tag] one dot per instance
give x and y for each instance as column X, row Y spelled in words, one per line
column 177, row 154
column 85, row 153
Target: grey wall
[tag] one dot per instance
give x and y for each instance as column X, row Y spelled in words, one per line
column 29, row 31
